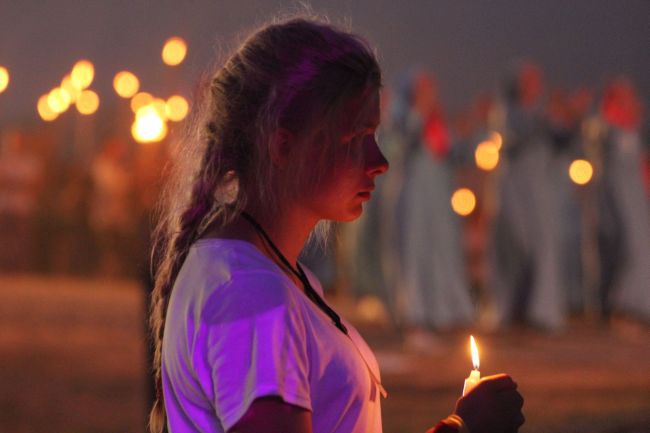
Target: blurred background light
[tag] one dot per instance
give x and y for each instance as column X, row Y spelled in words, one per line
column 126, row 84
column 487, row 155
column 160, row 106
column 4, row 79
column 177, row 108
column 174, row 51
column 496, row 138
column 44, row 110
column 139, row 100
column 88, row 102
column 69, row 87
column 463, row 201
column 581, row 171
column 83, row 73
column 149, row 126
column 58, row 100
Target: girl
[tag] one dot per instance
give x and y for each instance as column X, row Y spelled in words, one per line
column 244, row 340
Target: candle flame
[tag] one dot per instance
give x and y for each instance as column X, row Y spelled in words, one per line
column 475, row 360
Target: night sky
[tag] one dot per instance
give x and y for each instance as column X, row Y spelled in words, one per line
column 467, row 44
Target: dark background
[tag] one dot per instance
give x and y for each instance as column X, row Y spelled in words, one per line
column 467, row 44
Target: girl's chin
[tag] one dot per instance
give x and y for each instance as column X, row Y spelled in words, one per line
column 351, row 215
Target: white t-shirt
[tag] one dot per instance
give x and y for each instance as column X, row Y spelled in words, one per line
column 238, row 328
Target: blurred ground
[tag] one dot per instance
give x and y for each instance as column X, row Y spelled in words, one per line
column 73, row 361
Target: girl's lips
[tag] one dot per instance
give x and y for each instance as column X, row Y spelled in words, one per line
column 364, row 194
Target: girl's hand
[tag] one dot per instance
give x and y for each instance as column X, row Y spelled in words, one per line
column 493, row 406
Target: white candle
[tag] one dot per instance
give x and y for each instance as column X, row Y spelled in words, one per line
column 475, row 375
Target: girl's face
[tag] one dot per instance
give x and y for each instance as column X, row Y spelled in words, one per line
column 350, row 168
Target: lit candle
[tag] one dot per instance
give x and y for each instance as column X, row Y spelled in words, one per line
column 475, row 375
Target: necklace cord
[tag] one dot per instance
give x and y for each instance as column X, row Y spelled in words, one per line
column 300, row 274
column 312, row 294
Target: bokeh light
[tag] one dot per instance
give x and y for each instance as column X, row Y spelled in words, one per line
column 83, row 73
column 177, row 108
column 58, row 100
column 4, row 79
column 161, row 107
column 487, row 155
column 44, row 109
column 139, row 100
column 463, row 201
column 70, row 88
column 371, row 309
column 149, row 126
column 496, row 138
column 126, row 84
column 174, row 51
column 88, row 102
column 581, row 171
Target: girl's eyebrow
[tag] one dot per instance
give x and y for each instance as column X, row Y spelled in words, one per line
column 363, row 129
column 369, row 126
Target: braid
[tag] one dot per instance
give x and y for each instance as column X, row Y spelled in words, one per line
column 177, row 247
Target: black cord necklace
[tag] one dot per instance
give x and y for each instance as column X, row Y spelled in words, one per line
column 312, row 294
column 299, row 273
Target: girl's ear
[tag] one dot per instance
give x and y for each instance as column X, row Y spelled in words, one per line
column 280, row 147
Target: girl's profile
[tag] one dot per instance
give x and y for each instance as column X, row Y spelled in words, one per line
column 245, row 341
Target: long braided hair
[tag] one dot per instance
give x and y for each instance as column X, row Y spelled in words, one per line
column 295, row 74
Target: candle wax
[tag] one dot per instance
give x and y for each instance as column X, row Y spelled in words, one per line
column 471, row 381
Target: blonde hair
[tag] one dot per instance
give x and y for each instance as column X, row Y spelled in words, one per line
column 295, row 74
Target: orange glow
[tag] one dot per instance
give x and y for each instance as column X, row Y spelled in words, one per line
column 88, row 102
column 370, row 308
column 174, row 51
column 487, row 155
column 4, row 79
column 58, row 100
column 496, row 138
column 44, row 109
column 140, row 100
column 83, row 73
column 581, row 171
column 126, row 84
column 149, row 126
column 177, row 108
column 463, row 201
column 70, row 88
column 475, row 360
column 160, row 107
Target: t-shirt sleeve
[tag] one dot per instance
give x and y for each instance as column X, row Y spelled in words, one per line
column 256, row 345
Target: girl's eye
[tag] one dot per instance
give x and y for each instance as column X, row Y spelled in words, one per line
column 362, row 136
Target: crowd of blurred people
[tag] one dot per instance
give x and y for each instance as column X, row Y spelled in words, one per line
column 69, row 209
column 539, row 248
column 536, row 249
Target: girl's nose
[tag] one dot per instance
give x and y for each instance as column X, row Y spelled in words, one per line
column 376, row 162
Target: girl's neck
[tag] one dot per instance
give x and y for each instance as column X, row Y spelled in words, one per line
column 289, row 233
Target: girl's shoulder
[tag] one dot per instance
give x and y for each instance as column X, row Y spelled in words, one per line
column 235, row 278
column 229, row 254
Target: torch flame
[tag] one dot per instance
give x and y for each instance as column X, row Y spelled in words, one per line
column 475, row 360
